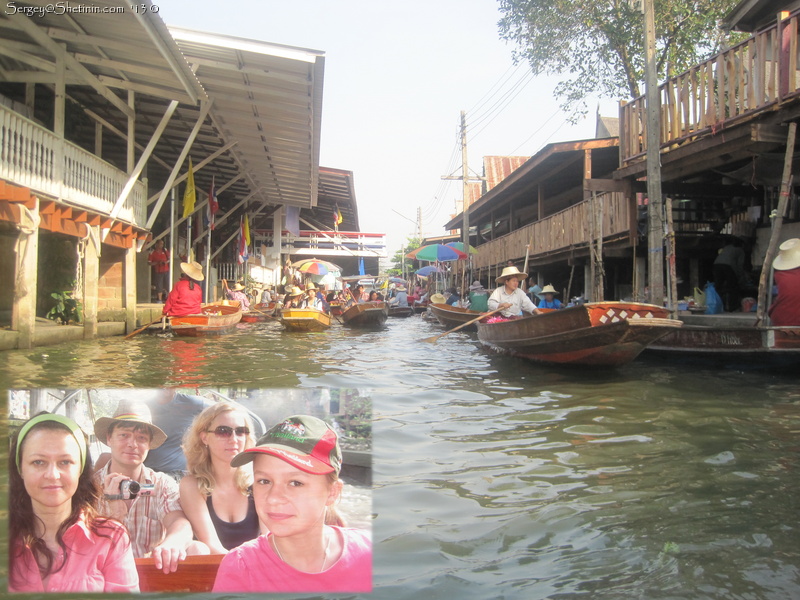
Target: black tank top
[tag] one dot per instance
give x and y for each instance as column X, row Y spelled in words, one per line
column 232, row 535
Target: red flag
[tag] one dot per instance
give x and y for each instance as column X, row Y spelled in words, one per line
column 213, row 205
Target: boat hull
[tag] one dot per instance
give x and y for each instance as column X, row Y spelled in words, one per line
column 366, row 315
column 216, row 319
column 305, row 319
column 609, row 334
column 453, row 316
column 259, row 313
column 401, row 311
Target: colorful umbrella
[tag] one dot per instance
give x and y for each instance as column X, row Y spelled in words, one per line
column 425, row 271
column 314, row 266
column 435, row 252
column 460, row 246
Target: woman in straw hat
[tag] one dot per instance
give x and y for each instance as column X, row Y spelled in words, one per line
column 508, row 298
column 58, row 542
column 215, row 496
column 785, row 309
column 236, row 294
column 294, row 297
column 549, row 299
column 296, row 485
column 187, row 295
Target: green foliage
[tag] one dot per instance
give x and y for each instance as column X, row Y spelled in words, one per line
column 599, row 45
column 411, row 244
column 67, row 308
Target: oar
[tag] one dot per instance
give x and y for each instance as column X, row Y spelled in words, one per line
column 141, row 329
column 432, row 340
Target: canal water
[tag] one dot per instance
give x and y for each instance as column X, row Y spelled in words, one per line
column 495, row 478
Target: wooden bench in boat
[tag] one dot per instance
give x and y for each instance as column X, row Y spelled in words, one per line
column 195, row 574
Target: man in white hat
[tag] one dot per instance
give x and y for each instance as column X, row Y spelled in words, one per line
column 145, row 501
column 785, row 309
column 508, row 298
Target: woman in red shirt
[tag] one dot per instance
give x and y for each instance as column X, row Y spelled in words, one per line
column 187, row 295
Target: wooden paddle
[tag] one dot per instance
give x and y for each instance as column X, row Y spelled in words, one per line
column 432, row 340
column 141, row 329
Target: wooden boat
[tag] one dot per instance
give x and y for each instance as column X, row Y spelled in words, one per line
column 453, row 316
column 366, row 315
column 305, row 319
column 728, row 338
column 336, row 308
column 259, row 313
column 216, row 318
column 401, row 311
column 597, row 333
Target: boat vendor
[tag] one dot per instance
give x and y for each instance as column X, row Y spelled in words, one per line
column 187, row 295
column 400, row 296
column 549, row 300
column 236, row 294
column 478, row 297
column 785, row 310
column 508, row 298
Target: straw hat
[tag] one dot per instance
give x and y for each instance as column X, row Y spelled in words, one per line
column 548, row 289
column 237, row 287
column 310, row 286
column 438, row 299
column 400, row 288
column 293, row 291
column 193, row 269
column 788, row 256
column 509, row 272
column 130, row 412
column 476, row 285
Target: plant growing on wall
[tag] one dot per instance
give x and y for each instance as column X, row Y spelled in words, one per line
column 67, row 308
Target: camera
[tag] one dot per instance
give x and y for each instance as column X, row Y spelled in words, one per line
column 129, row 489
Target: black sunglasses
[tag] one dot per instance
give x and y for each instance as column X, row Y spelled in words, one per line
column 225, row 431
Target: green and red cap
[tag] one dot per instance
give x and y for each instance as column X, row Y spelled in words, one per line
column 306, row 442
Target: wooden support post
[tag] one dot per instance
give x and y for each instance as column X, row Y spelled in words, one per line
column 23, row 313
column 777, row 223
column 91, row 272
column 129, row 288
column 671, row 273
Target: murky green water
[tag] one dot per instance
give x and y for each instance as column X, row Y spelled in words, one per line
column 495, row 478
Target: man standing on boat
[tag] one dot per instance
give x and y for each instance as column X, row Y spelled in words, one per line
column 508, row 298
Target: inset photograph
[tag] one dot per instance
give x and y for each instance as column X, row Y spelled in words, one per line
column 190, row 490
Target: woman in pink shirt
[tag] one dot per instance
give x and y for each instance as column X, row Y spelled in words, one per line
column 296, row 485
column 58, row 543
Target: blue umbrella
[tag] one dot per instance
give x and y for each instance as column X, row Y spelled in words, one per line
column 425, row 271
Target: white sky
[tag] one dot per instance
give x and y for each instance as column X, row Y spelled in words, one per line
column 397, row 75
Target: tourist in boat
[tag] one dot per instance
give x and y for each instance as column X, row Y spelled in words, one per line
column 236, row 294
column 159, row 260
column 453, row 297
column 215, row 496
column 311, row 298
column 549, row 299
column 293, row 298
column 308, row 549
column 187, row 295
column 478, row 297
column 374, row 296
column 508, row 298
column 785, row 309
column 400, row 297
column 58, row 542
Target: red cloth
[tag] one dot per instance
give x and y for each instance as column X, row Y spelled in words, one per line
column 183, row 300
column 785, row 309
column 156, row 257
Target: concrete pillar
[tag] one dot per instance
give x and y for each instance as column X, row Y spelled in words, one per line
column 277, row 238
column 129, row 289
column 23, row 310
column 641, row 278
column 91, row 273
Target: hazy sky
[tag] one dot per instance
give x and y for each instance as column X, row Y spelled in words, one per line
column 397, row 75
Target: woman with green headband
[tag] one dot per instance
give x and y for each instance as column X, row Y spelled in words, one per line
column 58, row 543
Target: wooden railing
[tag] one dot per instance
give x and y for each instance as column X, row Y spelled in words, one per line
column 748, row 78
column 34, row 157
column 561, row 231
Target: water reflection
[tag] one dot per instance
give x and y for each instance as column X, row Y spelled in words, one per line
column 497, row 478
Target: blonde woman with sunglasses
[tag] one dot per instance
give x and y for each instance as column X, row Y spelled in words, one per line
column 216, row 497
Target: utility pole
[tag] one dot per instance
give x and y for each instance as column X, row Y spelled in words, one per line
column 419, row 224
column 655, row 237
column 465, row 182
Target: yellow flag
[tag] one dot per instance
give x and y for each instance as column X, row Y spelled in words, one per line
column 246, row 231
column 189, row 195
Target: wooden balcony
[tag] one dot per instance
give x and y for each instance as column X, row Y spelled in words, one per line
column 34, row 157
column 751, row 77
column 562, row 231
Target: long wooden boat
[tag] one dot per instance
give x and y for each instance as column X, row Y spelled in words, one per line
column 453, row 316
column 366, row 315
column 729, row 338
column 215, row 319
column 597, row 333
column 259, row 313
column 305, row 319
column 401, row 311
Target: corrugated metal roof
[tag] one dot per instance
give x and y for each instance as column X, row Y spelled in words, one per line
column 268, row 99
column 497, row 168
column 336, row 189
